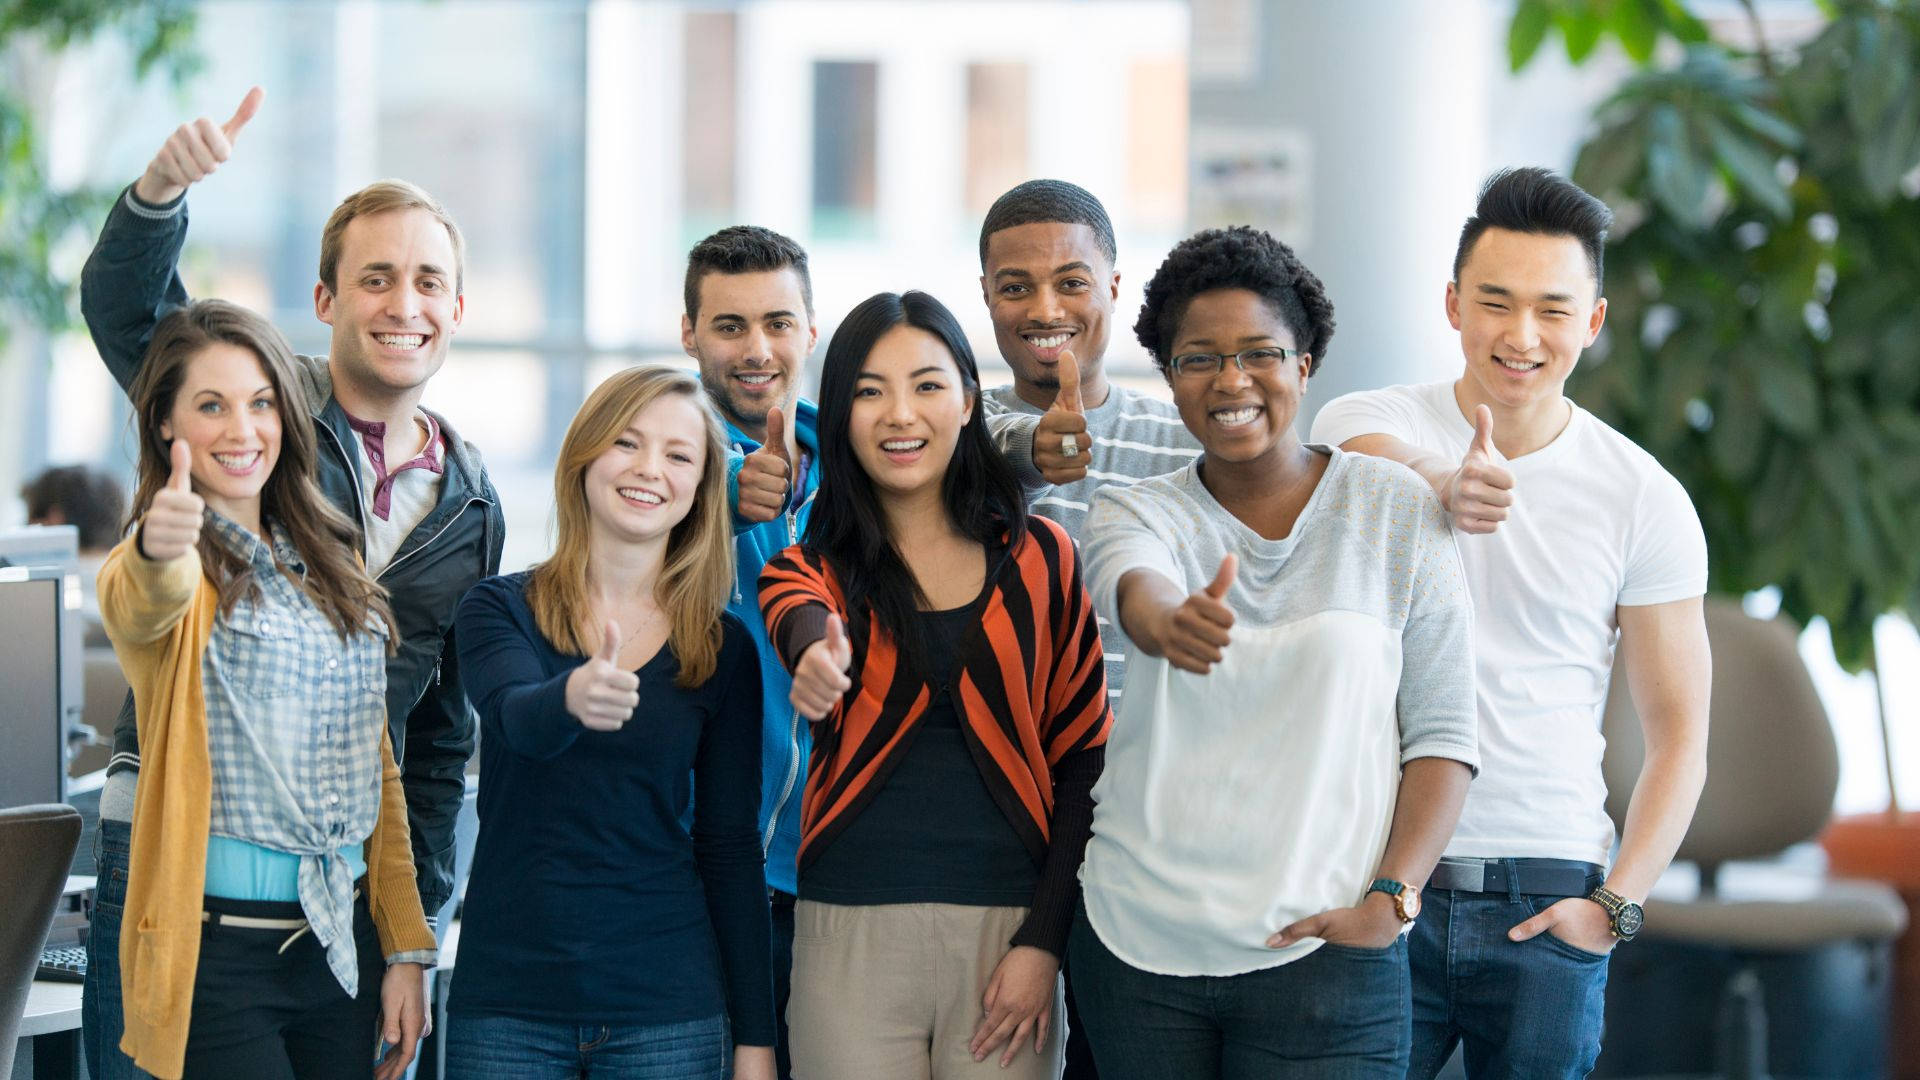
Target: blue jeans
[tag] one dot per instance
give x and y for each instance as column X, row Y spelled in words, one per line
column 101, row 1017
column 1338, row 1013
column 1529, row 1009
column 503, row 1048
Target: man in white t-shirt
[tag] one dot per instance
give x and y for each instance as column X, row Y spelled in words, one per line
column 1569, row 534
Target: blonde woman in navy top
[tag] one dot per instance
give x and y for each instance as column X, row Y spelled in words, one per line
column 602, row 938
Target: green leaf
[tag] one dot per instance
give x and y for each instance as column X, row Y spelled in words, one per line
column 1767, row 125
column 1751, row 167
column 1613, row 160
column 1675, row 176
column 1681, row 23
column 1889, row 155
column 1581, row 28
column 1527, row 31
column 1739, row 431
column 1637, row 23
column 1790, row 395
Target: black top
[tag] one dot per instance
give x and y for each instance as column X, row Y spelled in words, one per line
column 932, row 834
column 589, row 902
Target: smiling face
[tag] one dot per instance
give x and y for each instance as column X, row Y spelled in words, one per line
column 909, row 406
column 1238, row 416
column 1049, row 289
column 1525, row 307
column 643, row 485
column 752, row 336
column 229, row 416
column 393, row 306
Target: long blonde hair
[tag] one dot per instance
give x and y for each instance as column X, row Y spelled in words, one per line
column 698, row 576
column 326, row 539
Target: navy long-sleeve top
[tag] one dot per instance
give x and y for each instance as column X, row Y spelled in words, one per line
column 589, row 902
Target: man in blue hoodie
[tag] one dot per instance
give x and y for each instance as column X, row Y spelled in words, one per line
column 749, row 323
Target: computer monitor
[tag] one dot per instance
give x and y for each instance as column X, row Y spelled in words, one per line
column 42, row 635
column 33, row 651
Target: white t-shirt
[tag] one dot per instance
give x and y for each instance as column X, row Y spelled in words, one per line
column 1236, row 802
column 1597, row 524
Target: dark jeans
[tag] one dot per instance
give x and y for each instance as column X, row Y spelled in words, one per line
column 782, row 906
column 261, row 1011
column 483, row 1047
column 1079, row 1052
column 1530, row 1009
column 1338, row 1013
column 100, row 1013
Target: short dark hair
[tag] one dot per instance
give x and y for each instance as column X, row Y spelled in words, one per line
column 745, row 249
column 1241, row 257
column 1542, row 202
column 90, row 500
column 848, row 526
column 1049, row 201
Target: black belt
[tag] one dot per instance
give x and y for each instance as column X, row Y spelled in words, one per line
column 1554, row 877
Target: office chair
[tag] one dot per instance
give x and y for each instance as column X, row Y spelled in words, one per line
column 1738, row 980
column 36, row 847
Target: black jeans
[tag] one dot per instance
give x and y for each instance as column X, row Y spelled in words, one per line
column 265, row 1014
column 782, row 906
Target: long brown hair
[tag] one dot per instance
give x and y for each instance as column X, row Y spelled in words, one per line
column 324, row 537
column 698, row 575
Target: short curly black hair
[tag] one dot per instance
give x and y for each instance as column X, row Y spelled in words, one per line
column 1241, row 257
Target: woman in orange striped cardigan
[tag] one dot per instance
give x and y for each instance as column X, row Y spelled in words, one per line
column 946, row 650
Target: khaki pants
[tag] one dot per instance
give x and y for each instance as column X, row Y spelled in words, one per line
column 892, row 992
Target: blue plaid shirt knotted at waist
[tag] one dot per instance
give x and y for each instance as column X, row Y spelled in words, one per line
column 295, row 716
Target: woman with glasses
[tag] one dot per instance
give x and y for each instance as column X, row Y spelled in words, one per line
column 942, row 643
column 1296, row 734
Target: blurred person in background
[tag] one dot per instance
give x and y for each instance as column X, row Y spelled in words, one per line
column 94, row 503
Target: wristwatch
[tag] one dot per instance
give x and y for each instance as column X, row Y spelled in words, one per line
column 1406, row 898
column 1625, row 916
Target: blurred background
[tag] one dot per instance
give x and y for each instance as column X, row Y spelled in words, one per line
column 1763, row 342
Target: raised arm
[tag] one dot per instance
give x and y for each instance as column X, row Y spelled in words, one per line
column 132, row 278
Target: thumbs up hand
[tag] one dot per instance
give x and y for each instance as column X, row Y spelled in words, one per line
column 193, row 152
column 820, row 678
column 1479, row 494
column 599, row 694
column 1193, row 636
column 765, row 474
column 1063, row 428
column 171, row 526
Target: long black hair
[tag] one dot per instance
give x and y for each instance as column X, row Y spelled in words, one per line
column 847, row 528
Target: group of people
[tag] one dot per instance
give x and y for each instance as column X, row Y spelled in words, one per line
column 925, row 730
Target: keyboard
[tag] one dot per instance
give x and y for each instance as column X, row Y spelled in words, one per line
column 63, row 963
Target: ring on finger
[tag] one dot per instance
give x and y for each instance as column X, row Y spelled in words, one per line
column 1069, row 445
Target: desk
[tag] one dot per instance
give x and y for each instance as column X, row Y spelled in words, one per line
column 49, row 1047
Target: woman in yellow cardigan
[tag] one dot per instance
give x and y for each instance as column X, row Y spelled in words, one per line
column 273, row 926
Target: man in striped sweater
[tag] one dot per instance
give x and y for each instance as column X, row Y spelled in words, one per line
column 1047, row 275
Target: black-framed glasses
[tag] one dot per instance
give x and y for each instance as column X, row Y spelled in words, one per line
column 1207, row 365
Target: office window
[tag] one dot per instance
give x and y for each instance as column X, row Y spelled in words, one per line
column 709, row 122
column 996, row 131
column 845, row 134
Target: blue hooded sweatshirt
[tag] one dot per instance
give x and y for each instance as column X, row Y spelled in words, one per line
column 785, row 740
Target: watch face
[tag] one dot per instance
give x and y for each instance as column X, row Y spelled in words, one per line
column 1629, row 920
column 1409, row 903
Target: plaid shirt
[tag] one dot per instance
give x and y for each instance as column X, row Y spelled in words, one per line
column 294, row 722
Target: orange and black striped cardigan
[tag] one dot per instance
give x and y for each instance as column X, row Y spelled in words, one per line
column 1031, row 687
